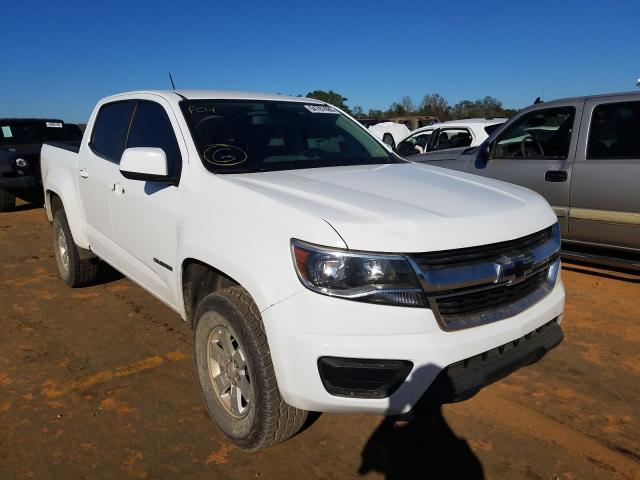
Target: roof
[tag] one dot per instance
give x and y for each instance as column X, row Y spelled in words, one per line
column 222, row 95
column 484, row 121
column 43, row 119
column 588, row 97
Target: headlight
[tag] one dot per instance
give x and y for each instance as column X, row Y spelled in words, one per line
column 365, row 277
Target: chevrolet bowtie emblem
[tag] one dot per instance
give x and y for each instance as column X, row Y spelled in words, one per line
column 513, row 267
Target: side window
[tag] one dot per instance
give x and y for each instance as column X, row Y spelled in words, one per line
column 615, row 131
column 452, row 138
column 414, row 144
column 110, row 130
column 541, row 134
column 151, row 128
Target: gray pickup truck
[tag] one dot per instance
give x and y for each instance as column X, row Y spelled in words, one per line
column 583, row 155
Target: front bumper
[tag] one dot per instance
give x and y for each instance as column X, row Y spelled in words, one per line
column 309, row 326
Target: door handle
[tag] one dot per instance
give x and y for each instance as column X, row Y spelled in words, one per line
column 83, row 172
column 555, row 176
column 117, row 188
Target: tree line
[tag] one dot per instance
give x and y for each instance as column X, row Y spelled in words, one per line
column 431, row 104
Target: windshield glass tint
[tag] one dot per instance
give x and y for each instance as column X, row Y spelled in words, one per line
column 237, row 136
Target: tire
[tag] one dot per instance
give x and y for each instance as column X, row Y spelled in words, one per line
column 7, row 200
column 75, row 271
column 260, row 417
column 388, row 139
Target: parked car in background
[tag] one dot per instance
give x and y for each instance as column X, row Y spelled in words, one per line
column 446, row 135
column 583, row 155
column 320, row 271
column 391, row 133
column 20, row 142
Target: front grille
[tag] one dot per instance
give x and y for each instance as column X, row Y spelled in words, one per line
column 454, row 306
column 449, row 258
column 477, row 285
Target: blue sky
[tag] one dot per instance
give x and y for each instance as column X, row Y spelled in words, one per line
column 58, row 58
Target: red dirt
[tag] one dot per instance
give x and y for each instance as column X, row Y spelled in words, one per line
column 99, row 383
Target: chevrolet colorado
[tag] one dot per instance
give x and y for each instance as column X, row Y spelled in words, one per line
column 318, row 270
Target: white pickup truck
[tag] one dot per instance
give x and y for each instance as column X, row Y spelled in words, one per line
column 319, row 271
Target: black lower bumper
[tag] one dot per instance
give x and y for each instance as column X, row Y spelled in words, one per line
column 462, row 380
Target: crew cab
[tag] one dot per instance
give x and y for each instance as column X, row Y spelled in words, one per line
column 20, row 142
column 583, row 155
column 318, row 270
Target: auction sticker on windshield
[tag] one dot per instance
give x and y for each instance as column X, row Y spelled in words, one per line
column 6, row 132
column 321, row 109
column 54, row 124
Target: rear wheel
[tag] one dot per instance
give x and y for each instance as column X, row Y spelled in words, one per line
column 236, row 374
column 76, row 272
column 7, row 200
column 388, row 139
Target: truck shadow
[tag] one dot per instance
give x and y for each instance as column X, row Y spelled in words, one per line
column 613, row 273
column 424, row 446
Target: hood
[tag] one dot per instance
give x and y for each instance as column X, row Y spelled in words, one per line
column 406, row 207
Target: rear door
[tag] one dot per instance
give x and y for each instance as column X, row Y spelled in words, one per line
column 537, row 151
column 145, row 212
column 98, row 171
column 605, row 189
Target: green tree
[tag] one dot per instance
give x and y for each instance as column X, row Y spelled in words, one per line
column 334, row 98
column 357, row 112
column 376, row 114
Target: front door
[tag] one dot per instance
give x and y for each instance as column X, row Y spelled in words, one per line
column 144, row 212
column 537, row 151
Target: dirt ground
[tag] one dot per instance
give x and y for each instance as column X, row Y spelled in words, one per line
column 99, row 383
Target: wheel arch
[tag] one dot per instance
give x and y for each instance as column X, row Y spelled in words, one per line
column 198, row 279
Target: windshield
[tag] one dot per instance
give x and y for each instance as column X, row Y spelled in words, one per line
column 239, row 136
column 32, row 131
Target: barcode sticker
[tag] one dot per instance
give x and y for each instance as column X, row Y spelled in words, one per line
column 321, row 109
column 54, row 125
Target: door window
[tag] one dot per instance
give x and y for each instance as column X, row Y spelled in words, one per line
column 452, row 138
column 541, row 134
column 110, row 130
column 615, row 131
column 151, row 128
column 415, row 144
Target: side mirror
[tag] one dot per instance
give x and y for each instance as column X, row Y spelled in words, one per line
column 145, row 163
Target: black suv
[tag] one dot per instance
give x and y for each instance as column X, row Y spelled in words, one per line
column 20, row 142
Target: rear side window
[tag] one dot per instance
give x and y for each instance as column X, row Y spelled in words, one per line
column 151, row 128
column 452, row 138
column 110, row 130
column 541, row 134
column 615, row 131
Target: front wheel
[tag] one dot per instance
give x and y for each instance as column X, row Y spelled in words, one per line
column 236, row 375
